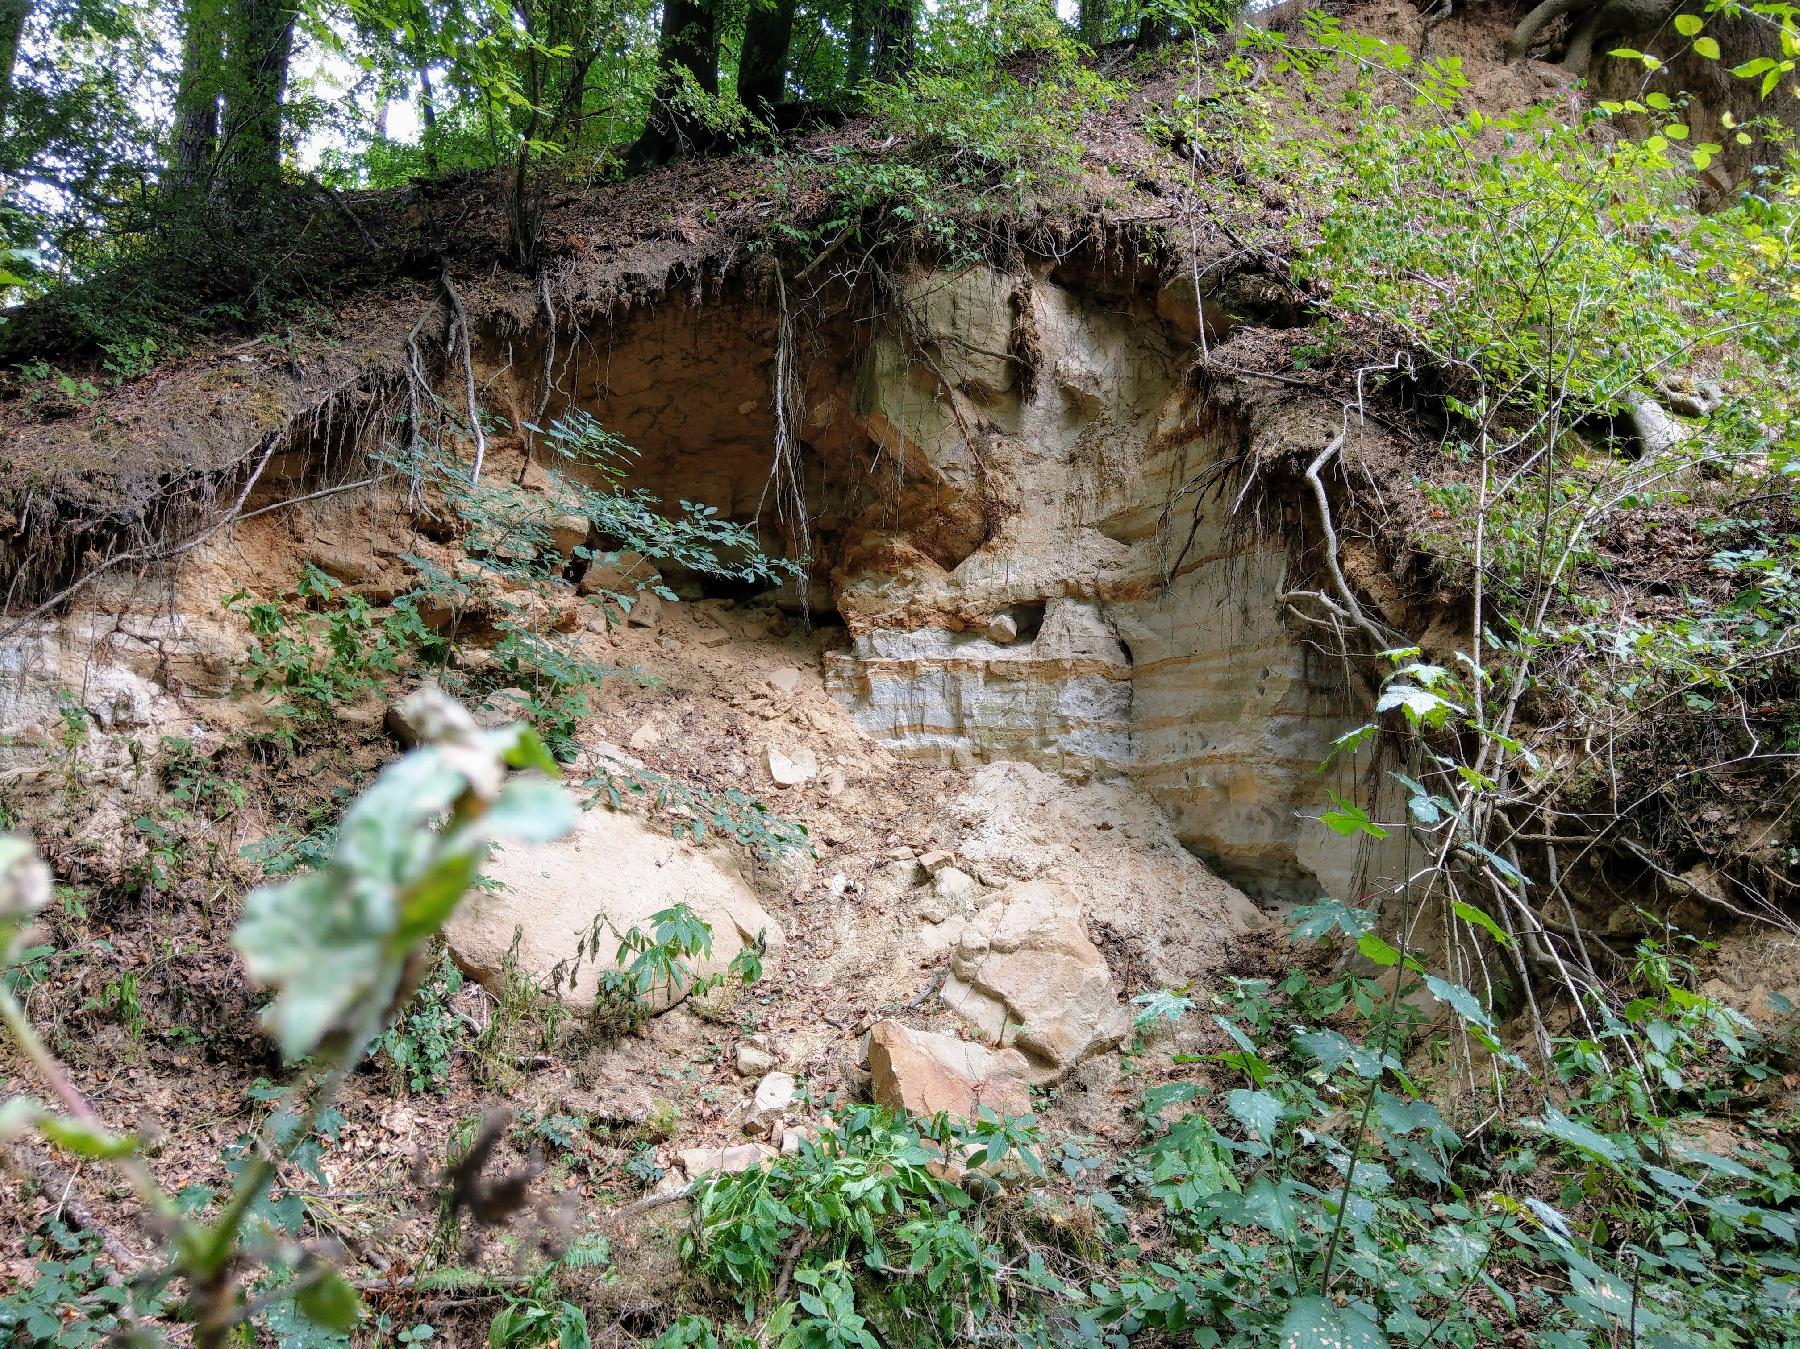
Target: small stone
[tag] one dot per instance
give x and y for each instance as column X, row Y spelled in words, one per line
column 774, row 1094
column 833, row 781
column 697, row 1162
column 1003, row 629
column 645, row 612
column 619, row 573
column 645, row 737
column 790, row 770
column 792, row 1139
column 839, row 883
column 955, row 887
column 715, row 637
column 605, row 749
column 754, row 1061
column 936, row 860
column 785, row 680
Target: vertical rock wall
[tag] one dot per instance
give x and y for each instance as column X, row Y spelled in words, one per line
column 1111, row 615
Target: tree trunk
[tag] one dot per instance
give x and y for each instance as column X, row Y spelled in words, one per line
column 895, row 24
column 1153, row 30
column 687, row 47
column 857, row 64
column 762, row 68
column 197, row 93
column 12, row 30
column 262, row 40
column 1094, row 21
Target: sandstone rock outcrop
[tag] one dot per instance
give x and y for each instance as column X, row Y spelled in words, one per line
column 1024, row 974
column 614, row 870
column 924, row 1073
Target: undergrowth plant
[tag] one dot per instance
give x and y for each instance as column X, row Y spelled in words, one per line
column 342, row 948
column 653, row 969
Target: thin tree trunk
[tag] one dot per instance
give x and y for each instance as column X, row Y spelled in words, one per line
column 13, row 14
column 197, row 92
column 762, row 67
column 262, row 41
column 428, row 117
column 895, row 35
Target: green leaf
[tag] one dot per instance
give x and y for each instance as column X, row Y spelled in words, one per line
column 1707, row 47
column 1459, row 1000
column 1688, row 24
column 1259, row 1111
column 1349, row 819
column 330, row 1302
column 433, row 898
column 85, row 1140
column 1470, row 914
column 531, row 810
column 1377, row 950
column 1318, row 1323
column 1578, row 1136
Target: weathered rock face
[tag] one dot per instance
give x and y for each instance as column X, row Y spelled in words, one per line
column 1025, row 975
column 923, row 1073
column 1078, row 595
column 613, row 870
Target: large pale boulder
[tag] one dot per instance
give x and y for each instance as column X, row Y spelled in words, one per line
column 923, row 1073
column 613, row 870
column 1025, row 974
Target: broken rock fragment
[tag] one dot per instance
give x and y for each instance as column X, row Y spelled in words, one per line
column 923, row 1073
column 1025, row 975
column 790, row 770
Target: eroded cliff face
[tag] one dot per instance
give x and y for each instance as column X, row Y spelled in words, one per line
column 1031, row 521
column 1028, row 519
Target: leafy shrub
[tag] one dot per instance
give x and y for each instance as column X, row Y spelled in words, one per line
column 323, row 647
column 877, row 1194
column 652, row 969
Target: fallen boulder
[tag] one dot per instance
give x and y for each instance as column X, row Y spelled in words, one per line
column 572, row 900
column 924, row 1073
column 1025, row 975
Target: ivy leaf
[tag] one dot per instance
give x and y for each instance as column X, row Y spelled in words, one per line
column 1260, row 1112
column 1707, row 47
column 1318, row 1323
column 1578, row 1136
column 1688, row 24
column 1459, row 1000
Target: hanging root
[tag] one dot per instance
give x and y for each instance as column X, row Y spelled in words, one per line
column 786, row 474
column 460, row 330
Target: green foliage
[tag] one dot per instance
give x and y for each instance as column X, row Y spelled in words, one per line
column 732, row 813
column 1602, row 1212
column 420, row 1046
column 540, row 1315
column 335, row 946
column 874, row 1194
column 651, row 970
column 518, row 554
column 323, row 647
column 68, row 1302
